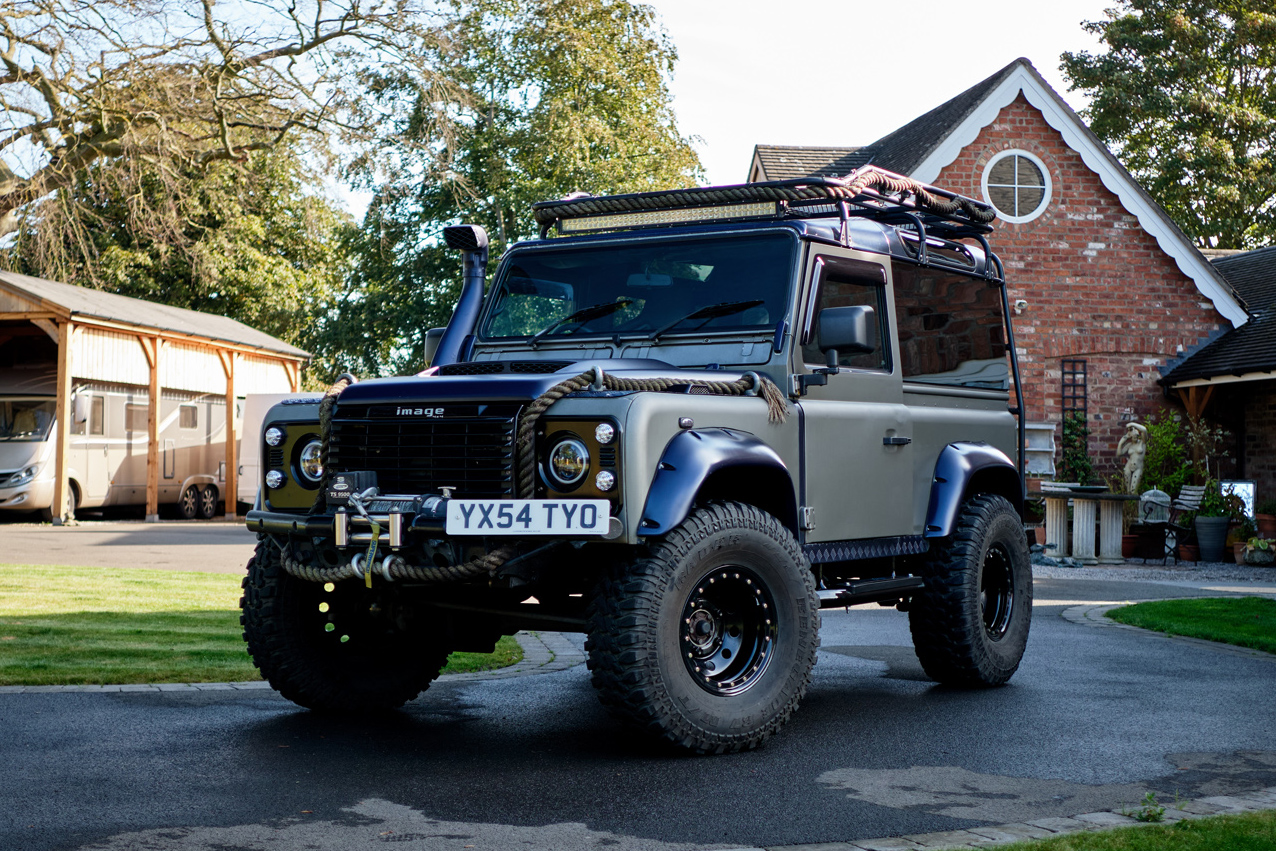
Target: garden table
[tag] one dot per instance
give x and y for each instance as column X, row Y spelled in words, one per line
column 1085, row 507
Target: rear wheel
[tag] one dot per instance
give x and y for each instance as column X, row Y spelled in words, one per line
column 708, row 643
column 333, row 646
column 970, row 623
column 208, row 502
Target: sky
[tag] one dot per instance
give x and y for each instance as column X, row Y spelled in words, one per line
column 847, row 72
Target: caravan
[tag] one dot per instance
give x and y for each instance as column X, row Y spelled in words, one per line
column 106, row 461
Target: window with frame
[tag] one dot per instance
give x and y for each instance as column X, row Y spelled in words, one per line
column 97, row 415
column 136, row 417
column 1017, row 184
column 188, row 416
column 951, row 329
column 843, row 283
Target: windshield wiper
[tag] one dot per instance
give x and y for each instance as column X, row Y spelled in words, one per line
column 713, row 311
column 585, row 314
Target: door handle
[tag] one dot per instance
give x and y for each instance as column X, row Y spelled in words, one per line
column 896, row 441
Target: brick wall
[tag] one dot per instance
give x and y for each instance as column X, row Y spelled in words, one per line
column 1097, row 285
column 1260, row 437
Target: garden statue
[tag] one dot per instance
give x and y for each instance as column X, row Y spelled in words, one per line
column 1133, row 444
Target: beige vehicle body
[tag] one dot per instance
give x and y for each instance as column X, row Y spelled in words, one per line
column 106, row 460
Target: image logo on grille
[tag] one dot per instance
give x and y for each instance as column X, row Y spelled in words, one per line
column 418, row 412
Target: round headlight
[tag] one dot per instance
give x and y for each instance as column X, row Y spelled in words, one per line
column 311, row 461
column 274, row 436
column 274, row 479
column 604, row 433
column 568, row 462
column 605, row 480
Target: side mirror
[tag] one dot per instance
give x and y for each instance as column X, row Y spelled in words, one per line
column 80, row 408
column 432, row 338
column 845, row 330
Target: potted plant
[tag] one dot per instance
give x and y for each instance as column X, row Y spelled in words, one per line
column 1212, row 520
column 1265, row 519
column 1239, row 534
column 1260, row 551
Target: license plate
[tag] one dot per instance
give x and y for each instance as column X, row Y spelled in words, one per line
column 528, row 516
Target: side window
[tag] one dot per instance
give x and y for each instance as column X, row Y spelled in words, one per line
column 135, row 417
column 189, row 416
column 97, row 416
column 951, row 329
column 842, row 283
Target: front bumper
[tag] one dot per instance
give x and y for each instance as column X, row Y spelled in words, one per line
column 344, row 528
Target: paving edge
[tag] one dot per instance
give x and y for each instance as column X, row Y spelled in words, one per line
column 543, row 653
column 1097, row 616
column 986, row 836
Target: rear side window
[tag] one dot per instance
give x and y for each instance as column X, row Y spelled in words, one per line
column 189, row 416
column 951, row 329
column 841, row 283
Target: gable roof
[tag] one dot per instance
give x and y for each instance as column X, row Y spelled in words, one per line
column 922, row 148
column 74, row 301
column 1252, row 274
column 1247, row 353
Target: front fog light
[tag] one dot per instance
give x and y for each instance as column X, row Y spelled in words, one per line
column 604, row 433
column 274, row 479
column 605, row 480
column 312, row 461
column 568, row 462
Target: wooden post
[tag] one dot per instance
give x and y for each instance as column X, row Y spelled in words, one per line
column 293, row 370
column 151, row 346
column 63, row 414
column 232, row 472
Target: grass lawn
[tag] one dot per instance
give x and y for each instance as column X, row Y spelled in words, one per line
column 85, row 625
column 1244, row 621
column 1248, row 832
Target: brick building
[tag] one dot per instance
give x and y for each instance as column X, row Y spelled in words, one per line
column 1110, row 295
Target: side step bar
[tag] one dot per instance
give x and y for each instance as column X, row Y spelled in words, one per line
column 869, row 591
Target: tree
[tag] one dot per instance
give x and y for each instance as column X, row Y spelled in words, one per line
column 182, row 84
column 253, row 241
column 560, row 96
column 1185, row 94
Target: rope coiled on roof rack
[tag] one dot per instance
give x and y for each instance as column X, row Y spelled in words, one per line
column 849, row 188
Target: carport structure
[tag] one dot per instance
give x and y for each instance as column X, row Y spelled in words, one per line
column 105, row 337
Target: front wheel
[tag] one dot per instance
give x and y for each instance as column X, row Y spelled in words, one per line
column 332, row 646
column 708, row 642
column 970, row 622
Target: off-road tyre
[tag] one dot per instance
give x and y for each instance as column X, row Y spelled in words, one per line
column 970, row 623
column 376, row 667
column 655, row 622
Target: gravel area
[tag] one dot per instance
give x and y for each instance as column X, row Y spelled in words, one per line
column 1182, row 572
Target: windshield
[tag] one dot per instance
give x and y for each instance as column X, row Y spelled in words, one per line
column 25, row 419
column 657, row 289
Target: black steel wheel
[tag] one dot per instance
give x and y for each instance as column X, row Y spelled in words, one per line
column 708, row 642
column 334, row 646
column 728, row 630
column 188, row 503
column 208, row 502
column 970, row 623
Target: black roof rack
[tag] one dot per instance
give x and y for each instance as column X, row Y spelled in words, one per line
column 867, row 192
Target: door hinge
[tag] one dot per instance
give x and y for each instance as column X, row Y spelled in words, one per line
column 808, row 518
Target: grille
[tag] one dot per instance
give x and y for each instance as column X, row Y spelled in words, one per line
column 473, row 368
column 413, row 456
column 527, row 367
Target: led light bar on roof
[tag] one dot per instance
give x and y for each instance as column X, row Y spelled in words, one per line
column 756, row 210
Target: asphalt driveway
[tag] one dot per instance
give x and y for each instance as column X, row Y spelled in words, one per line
column 1095, row 718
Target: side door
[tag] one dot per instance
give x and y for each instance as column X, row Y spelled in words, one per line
column 857, row 432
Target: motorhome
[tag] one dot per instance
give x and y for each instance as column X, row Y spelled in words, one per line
column 106, row 461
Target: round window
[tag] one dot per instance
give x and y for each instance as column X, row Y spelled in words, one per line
column 1017, row 184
